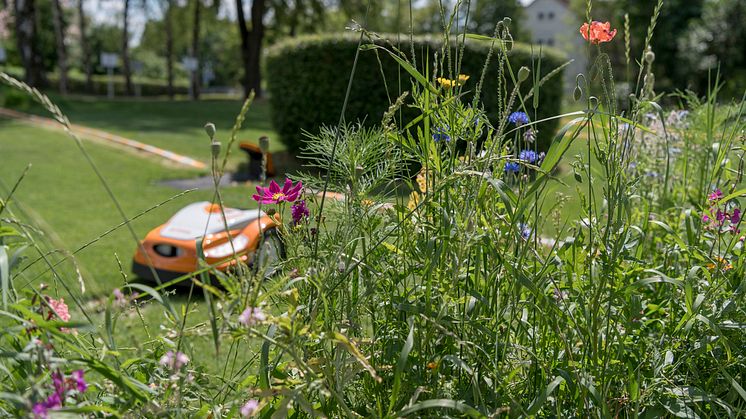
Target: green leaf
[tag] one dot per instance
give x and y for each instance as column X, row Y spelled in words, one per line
column 4, row 274
column 441, row 404
column 403, row 356
column 541, row 398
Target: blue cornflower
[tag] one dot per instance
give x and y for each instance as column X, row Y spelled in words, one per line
column 440, row 135
column 512, row 166
column 529, row 156
column 518, row 118
column 525, row 230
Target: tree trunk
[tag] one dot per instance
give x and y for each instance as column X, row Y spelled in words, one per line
column 251, row 45
column 59, row 34
column 85, row 49
column 195, row 49
column 170, row 49
column 125, row 50
column 26, row 37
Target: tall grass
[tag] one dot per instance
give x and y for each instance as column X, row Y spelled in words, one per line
column 442, row 295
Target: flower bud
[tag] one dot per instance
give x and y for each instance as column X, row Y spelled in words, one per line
column 215, row 148
column 577, row 93
column 210, row 130
column 264, row 143
column 649, row 56
column 523, row 74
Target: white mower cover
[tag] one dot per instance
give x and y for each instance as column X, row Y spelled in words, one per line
column 196, row 220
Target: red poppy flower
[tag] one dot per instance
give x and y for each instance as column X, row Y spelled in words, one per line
column 597, row 32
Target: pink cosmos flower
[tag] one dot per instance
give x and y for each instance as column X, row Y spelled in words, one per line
column 274, row 195
column 250, row 408
column 60, row 308
column 252, row 316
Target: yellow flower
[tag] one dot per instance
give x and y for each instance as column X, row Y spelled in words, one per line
column 422, row 179
column 414, row 200
column 448, row 83
column 722, row 263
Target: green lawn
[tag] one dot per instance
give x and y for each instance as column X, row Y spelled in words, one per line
column 174, row 125
column 64, row 196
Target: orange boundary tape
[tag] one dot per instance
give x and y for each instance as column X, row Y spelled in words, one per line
column 106, row 136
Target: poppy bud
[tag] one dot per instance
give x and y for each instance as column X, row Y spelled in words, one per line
column 523, row 74
column 215, row 148
column 210, row 129
column 577, row 93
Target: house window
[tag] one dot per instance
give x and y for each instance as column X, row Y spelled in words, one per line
column 550, row 16
column 541, row 15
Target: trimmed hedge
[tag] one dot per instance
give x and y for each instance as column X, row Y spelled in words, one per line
column 307, row 79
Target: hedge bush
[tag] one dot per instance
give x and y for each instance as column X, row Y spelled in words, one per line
column 307, row 79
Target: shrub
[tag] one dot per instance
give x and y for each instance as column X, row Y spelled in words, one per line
column 308, row 76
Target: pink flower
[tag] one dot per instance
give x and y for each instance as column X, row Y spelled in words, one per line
column 251, row 316
column 274, row 195
column 78, row 381
column 59, row 308
column 715, row 195
column 597, row 32
column 174, row 360
column 250, row 408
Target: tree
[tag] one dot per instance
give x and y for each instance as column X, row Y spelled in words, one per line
column 251, row 44
column 25, row 12
column 485, row 14
column 195, row 48
column 85, row 47
column 125, row 49
column 715, row 43
column 170, row 47
column 59, row 32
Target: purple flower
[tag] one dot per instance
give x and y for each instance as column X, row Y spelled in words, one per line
column 529, row 156
column 252, row 316
column 529, row 136
column 735, row 218
column 512, row 167
column 440, row 135
column 715, row 195
column 274, row 195
column 518, row 118
column 79, row 381
column 299, row 211
column 250, row 408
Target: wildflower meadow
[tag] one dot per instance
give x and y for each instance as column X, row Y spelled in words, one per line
column 438, row 262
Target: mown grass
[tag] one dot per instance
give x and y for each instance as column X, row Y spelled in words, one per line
column 61, row 193
column 174, row 125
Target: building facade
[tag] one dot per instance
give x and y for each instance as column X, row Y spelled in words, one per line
column 552, row 23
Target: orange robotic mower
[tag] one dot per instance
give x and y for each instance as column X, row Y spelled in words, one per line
column 171, row 248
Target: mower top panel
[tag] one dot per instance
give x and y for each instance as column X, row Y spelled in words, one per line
column 203, row 218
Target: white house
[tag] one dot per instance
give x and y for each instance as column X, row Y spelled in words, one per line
column 552, row 23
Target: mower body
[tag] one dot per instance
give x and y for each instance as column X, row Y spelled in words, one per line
column 170, row 250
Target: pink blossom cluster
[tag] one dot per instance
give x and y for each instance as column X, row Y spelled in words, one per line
column 252, row 316
column 174, row 360
column 718, row 217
